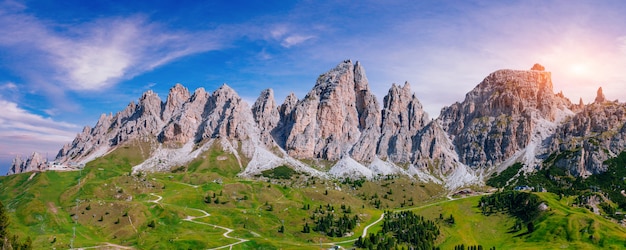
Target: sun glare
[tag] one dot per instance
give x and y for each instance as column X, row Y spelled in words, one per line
column 579, row 69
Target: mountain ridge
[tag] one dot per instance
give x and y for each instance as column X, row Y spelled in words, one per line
column 511, row 116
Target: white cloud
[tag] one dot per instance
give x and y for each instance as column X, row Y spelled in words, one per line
column 283, row 34
column 278, row 32
column 27, row 132
column 294, row 40
column 9, row 86
column 99, row 54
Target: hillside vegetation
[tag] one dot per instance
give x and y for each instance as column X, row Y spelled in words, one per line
column 205, row 205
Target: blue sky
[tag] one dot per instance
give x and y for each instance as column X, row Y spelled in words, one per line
column 63, row 63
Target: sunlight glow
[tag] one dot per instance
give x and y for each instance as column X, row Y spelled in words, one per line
column 579, row 69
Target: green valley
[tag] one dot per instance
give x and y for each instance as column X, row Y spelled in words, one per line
column 105, row 204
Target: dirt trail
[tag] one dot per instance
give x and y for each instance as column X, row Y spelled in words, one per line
column 206, row 214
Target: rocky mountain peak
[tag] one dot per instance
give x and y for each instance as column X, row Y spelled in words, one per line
column 266, row 115
column 177, row 96
column 326, row 122
column 290, row 102
column 402, row 118
column 510, row 116
column 36, row 162
column 581, row 103
column 499, row 116
column 600, row 98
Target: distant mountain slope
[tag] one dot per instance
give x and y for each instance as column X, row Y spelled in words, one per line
column 339, row 129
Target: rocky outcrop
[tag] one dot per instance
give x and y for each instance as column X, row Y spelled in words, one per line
column 34, row 163
column 591, row 137
column 186, row 117
column 368, row 110
column 402, row 118
column 266, row 115
column 499, row 117
column 326, row 123
column 600, row 96
column 175, row 99
column 434, row 150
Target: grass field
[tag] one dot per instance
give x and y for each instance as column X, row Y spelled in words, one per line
column 107, row 204
column 560, row 227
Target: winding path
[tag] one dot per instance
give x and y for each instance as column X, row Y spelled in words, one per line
column 206, row 214
column 382, row 216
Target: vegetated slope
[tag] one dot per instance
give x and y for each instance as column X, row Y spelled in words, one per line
column 118, row 207
column 602, row 193
column 560, row 226
column 106, row 204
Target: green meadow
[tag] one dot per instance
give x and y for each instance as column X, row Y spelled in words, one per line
column 204, row 205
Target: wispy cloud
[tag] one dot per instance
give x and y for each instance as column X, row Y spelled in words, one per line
column 286, row 37
column 295, row 40
column 101, row 53
column 27, row 132
column 10, row 86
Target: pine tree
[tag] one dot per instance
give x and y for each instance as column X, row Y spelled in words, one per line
column 4, row 224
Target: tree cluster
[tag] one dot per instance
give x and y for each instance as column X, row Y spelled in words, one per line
column 330, row 223
column 522, row 205
column 402, row 228
column 471, row 247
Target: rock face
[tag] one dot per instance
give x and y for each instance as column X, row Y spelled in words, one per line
column 498, row 118
column 600, row 96
column 511, row 116
column 332, row 116
column 402, row 118
column 266, row 115
column 34, row 163
column 591, row 137
column 185, row 116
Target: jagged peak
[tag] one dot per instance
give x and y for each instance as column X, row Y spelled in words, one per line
column 198, row 91
column 225, row 92
column 266, row 97
column 266, row 93
column 225, row 89
column 291, row 98
column 360, row 80
column 87, row 130
column 406, row 87
column 149, row 93
column 600, row 98
column 104, row 118
column 178, row 90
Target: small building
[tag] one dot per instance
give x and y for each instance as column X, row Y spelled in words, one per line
column 523, row 188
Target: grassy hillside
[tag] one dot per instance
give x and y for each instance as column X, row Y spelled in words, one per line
column 562, row 226
column 106, row 204
column 205, row 205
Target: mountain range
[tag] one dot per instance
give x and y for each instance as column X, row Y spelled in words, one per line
column 340, row 129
